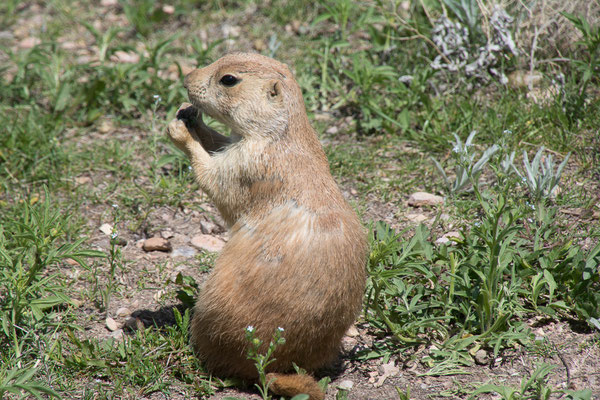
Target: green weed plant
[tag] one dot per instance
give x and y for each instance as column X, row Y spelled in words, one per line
column 475, row 291
column 466, row 169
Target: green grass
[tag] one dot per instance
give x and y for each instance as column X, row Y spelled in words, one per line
column 80, row 133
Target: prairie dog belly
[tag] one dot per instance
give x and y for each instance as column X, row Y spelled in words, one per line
column 288, row 270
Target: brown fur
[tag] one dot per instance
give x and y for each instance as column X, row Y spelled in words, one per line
column 297, row 251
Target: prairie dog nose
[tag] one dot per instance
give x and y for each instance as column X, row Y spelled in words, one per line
column 189, row 78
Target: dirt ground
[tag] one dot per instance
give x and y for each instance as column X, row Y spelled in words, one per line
column 570, row 348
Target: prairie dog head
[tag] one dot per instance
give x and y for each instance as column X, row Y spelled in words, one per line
column 249, row 93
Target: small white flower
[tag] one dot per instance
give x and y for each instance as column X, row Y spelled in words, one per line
column 156, row 97
column 115, row 206
column 249, row 329
column 456, row 149
column 190, row 167
column 114, row 235
column 507, row 132
column 529, row 220
column 477, row 224
column 280, row 329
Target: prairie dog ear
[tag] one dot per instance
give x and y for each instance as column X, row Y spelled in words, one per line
column 274, row 89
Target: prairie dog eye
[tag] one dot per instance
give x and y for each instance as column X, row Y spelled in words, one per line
column 229, row 80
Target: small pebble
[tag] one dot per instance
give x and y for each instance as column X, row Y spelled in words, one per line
column 6, row 35
column 118, row 334
column 124, row 57
column 111, row 324
column 416, row 217
column 446, row 237
column 156, row 244
column 184, row 251
column 349, row 343
column 386, row 370
column 105, row 127
column 123, row 312
column 208, row 243
column 481, row 357
column 29, row 42
column 167, row 234
column 208, row 227
column 259, row 45
column 82, row 180
column 352, row 331
column 168, row 9
column 345, row 385
column 419, row 199
column 106, row 229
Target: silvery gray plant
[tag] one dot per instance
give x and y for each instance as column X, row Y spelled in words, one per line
column 465, row 165
column 539, row 176
column 460, row 44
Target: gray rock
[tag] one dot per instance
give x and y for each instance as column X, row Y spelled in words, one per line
column 481, row 357
column 418, row 218
column 106, row 229
column 6, row 35
column 207, row 243
column 352, row 331
column 123, row 312
column 167, row 234
column 446, row 237
column 345, row 385
column 208, row 227
column 184, row 251
column 111, row 324
column 118, row 334
column 419, row 199
column 386, row 371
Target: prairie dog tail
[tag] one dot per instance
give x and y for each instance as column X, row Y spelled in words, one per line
column 293, row 384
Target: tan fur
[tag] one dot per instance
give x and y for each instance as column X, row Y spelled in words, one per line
column 290, row 385
column 297, row 251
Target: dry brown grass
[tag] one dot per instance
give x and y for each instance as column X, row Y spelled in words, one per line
column 541, row 31
column 544, row 33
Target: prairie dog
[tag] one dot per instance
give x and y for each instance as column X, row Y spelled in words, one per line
column 297, row 251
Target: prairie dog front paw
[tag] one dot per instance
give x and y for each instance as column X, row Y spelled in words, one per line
column 183, row 132
column 191, row 116
column 179, row 135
